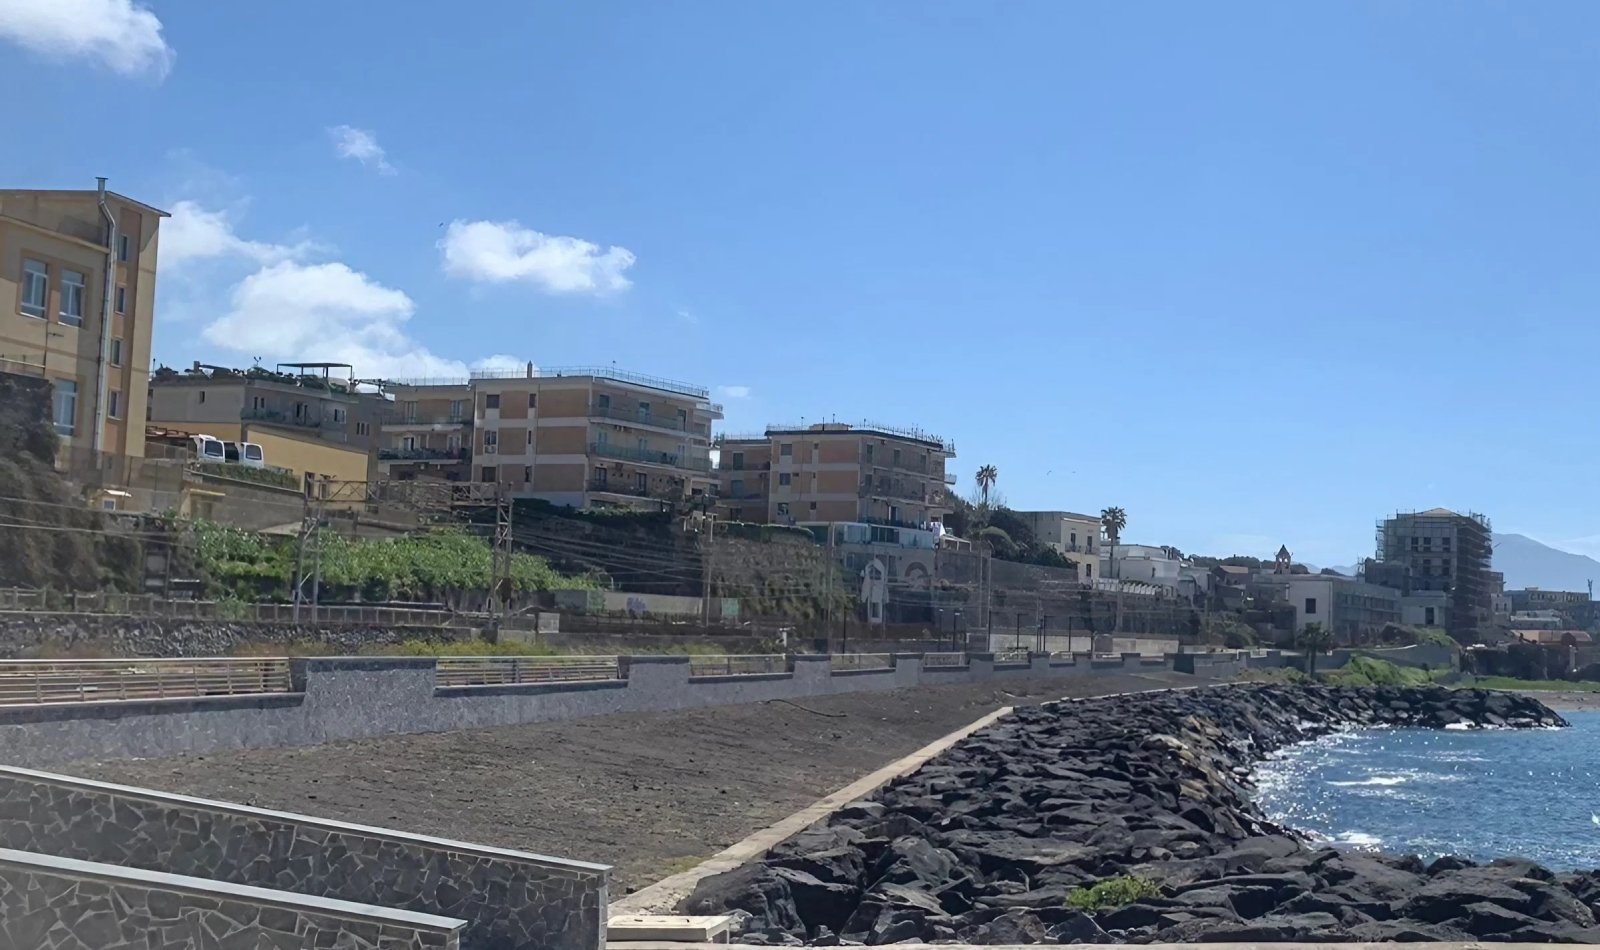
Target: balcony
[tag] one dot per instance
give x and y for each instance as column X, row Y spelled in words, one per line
column 422, row 455
column 880, row 489
column 648, row 457
column 743, row 465
column 278, row 417
column 949, row 478
column 669, row 423
column 446, row 421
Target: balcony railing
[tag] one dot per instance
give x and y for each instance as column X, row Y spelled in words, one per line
column 619, row 414
column 22, row 365
column 445, row 421
column 890, row 490
column 728, row 464
column 283, row 418
column 422, row 455
column 649, row 456
column 949, row 478
column 600, row 372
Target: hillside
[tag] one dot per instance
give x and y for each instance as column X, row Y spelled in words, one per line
column 1528, row 563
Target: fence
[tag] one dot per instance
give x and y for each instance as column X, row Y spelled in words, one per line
column 110, row 603
column 31, row 682
column 499, row 670
column 862, row 661
column 738, row 665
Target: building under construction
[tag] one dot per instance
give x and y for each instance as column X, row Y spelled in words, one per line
column 1441, row 550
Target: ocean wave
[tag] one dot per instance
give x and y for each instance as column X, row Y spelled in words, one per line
column 1359, row 839
column 1374, row 780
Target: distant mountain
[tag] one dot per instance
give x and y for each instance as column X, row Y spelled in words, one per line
column 1527, row 563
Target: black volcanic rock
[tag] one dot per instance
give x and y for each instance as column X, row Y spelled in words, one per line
column 986, row 843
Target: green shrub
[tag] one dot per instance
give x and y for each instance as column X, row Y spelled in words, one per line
column 1112, row 892
column 1367, row 671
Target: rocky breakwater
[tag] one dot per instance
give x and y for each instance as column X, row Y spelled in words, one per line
column 1129, row 819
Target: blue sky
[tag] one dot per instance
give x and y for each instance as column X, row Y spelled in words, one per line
column 1256, row 272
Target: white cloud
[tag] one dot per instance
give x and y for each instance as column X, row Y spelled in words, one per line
column 290, row 307
column 121, row 34
column 196, row 233
column 734, row 392
column 505, row 251
column 689, row 317
column 361, row 145
column 501, row 363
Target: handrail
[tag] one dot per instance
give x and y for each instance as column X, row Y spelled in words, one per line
column 508, row 670
column 738, row 665
column 36, row 682
column 861, row 661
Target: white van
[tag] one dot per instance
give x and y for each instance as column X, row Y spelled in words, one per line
column 208, row 449
column 248, row 454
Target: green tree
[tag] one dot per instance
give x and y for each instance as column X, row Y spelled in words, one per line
column 986, row 477
column 1114, row 519
column 1313, row 639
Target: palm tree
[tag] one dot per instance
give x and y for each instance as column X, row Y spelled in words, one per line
column 1313, row 638
column 1114, row 519
column 986, row 477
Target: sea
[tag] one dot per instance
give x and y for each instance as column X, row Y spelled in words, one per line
column 1480, row 794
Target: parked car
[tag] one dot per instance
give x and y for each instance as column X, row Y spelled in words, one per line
column 248, row 454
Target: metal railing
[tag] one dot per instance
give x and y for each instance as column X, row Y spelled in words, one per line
column 423, row 454
column 505, row 670
column 649, row 456
column 862, row 661
column 733, row 665
column 601, row 372
column 946, row 661
column 34, row 682
column 24, row 600
column 909, row 433
column 644, row 419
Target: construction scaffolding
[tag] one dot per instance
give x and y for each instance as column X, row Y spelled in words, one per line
column 1443, row 550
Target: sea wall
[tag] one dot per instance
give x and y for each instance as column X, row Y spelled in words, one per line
column 337, row 698
column 1002, row 838
column 54, row 903
column 507, row 899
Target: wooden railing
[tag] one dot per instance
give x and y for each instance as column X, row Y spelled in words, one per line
column 862, row 661
column 34, row 682
column 504, row 670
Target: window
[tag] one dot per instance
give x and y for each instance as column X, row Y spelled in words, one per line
column 530, row 436
column 783, row 508
column 734, row 514
column 641, row 481
column 738, row 461
column 453, row 442
column 491, row 441
column 1311, row 605
column 116, row 352
column 533, row 401
column 868, row 453
column 66, row 406
column 491, row 401
column 35, row 287
column 896, row 459
column 784, row 478
column 644, row 411
column 363, row 428
column 644, row 446
column 408, row 443
column 683, row 419
column 114, row 405
column 122, row 300
column 72, row 290
column 457, row 408
column 736, row 488
column 813, row 506
column 602, row 402
column 527, row 474
column 486, row 474
column 1088, row 572
column 601, row 437
column 258, row 402
column 786, row 450
column 122, row 247
column 203, row 398
column 1427, row 616
column 338, row 414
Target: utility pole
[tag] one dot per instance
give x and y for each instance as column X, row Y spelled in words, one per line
column 707, row 553
column 500, row 567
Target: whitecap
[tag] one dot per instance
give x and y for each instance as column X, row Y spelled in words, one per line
column 1375, row 780
column 1359, row 839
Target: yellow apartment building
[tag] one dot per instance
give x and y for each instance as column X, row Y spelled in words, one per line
column 593, row 436
column 77, row 302
column 1073, row 535
column 427, row 432
column 835, row 472
column 307, row 421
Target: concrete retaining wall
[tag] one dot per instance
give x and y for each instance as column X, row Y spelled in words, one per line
column 507, row 899
column 358, row 697
column 53, row 903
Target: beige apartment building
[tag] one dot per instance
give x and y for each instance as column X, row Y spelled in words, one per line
column 307, row 421
column 1074, row 536
column 77, row 302
column 835, row 472
column 427, row 433
column 593, row 436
